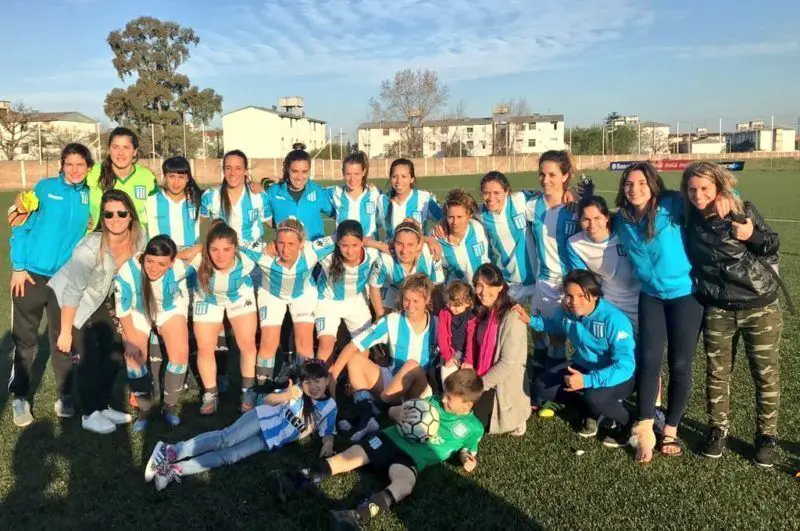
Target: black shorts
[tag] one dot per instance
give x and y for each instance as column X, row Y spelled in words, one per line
column 383, row 453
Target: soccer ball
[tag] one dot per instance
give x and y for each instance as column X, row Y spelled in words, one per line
column 422, row 421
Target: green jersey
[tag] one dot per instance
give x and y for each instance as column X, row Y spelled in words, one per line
column 455, row 432
column 138, row 185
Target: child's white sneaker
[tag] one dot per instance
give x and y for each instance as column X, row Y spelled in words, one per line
column 117, row 417
column 98, row 423
column 157, row 458
column 166, row 474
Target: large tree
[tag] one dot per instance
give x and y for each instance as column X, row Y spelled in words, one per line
column 410, row 97
column 17, row 128
column 151, row 51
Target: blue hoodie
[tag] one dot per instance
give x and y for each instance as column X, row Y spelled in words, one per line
column 661, row 263
column 46, row 240
column 603, row 342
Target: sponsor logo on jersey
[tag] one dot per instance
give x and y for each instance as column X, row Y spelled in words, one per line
column 248, row 303
column 200, row 308
column 460, row 430
column 519, row 221
column 321, row 243
column 621, row 250
column 598, row 329
column 140, row 192
column 370, row 206
column 56, row 197
column 622, row 334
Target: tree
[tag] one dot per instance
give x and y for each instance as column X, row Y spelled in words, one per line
column 152, row 51
column 411, row 97
column 587, row 140
column 622, row 140
column 16, row 129
column 612, row 117
column 654, row 141
column 55, row 138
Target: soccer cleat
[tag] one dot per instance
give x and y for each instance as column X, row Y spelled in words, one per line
column 98, row 423
column 344, row 520
column 765, row 451
column 21, row 409
column 64, row 407
column 166, row 474
column 209, row 404
column 249, row 400
column 370, row 427
column 589, row 428
column 117, row 417
column 345, row 425
column 715, row 444
column 616, row 437
column 157, row 457
column 139, row 425
column 171, row 418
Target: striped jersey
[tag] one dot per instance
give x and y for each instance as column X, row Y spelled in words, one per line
column 419, row 206
column 247, row 215
column 176, row 219
column 363, row 209
column 352, row 284
column 551, row 226
column 288, row 283
column 387, row 271
column 610, row 261
column 461, row 260
column 404, row 344
column 225, row 287
column 511, row 239
column 284, row 423
column 169, row 291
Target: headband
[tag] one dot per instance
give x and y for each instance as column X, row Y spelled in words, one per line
column 409, row 229
column 292, row 229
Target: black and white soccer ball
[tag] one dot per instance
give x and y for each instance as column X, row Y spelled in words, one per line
column 421, row 422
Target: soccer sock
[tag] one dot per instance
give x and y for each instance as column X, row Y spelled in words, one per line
column 141, row 386
column 173, row 384
column 156, row 359
column 265, row 369
column 247, row 383
column 212, row 391
column 363, row 402
column 378, row 503
column 319, row 471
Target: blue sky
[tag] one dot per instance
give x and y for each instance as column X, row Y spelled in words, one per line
column 692, row 61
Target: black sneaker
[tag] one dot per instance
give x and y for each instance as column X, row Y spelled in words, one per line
column 344, row 520
column 765, row 451
column 616, row 437
column 715, row 444
column 589, row 428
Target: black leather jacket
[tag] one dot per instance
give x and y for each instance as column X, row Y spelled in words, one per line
column 729, row 273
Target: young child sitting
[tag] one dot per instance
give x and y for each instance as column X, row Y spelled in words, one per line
column 459, row 432
column 456, row 329
column 286, row 416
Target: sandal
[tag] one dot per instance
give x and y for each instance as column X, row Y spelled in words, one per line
column 674, row 444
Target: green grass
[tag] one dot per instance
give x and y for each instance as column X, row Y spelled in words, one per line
column 53, row 475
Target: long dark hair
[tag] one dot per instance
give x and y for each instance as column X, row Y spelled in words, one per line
column 360, row 158
column 497, row 177
column 299, row 153
column 656, row 186
column 586, row 280
column 392, row 194
column 161, row 245
column 219, row 231
column 492, row 275
column 224, row 197
column 134, row 228
column 312, row 370
column 193, row 192
column 564, row 161
column 599, row 203
column 348, row 227
column 75, row 148
column 107, row 176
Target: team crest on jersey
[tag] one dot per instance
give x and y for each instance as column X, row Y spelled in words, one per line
column 262, row 313
column 370, row 206
column 140, row 192
column 84, row 198
column 312, row 196
column 172, row 288
column 598, row 329
column 570, row 227
column 621, row 250
column 191, row 210
column 200, row 308
column 478, row 248
column 319, row 324
column 252, row 214
column 460, row 430
column 519, row 221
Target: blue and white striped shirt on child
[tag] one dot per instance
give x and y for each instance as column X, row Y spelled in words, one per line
column 284, row 423
column 511, row 246
column 404, row 344
column 363, row 209
column 169, row 291
column 225, row 287
column 420, row 206
column 289, row 283
column 247, row 215
column 460, row 261
column 176, row 219
column 354, row 281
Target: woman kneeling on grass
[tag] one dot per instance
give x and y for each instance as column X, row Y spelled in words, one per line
column 285, row 417
column 603, row 363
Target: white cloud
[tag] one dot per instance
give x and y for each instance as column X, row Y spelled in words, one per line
column 739, row 49
column 371, row 39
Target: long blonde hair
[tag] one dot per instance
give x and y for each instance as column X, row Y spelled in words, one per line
column 722, row 179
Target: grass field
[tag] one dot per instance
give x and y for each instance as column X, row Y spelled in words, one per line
column 53, row 475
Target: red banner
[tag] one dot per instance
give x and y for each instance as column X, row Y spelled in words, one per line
column 672, row 165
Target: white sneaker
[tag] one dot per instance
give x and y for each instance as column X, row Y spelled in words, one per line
column 166, row 474
column 117, row 417
column 158, row 456
column 372, row 426
column 98, row 423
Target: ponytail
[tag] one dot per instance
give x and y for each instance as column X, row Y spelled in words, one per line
column 161, row 245
column 219, row 231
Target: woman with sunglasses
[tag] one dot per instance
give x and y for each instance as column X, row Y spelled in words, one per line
column 88, row 322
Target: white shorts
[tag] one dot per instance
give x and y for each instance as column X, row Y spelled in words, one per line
column 272, row 310
column 206, row 312
column 354, row 311
column 386, row 377
column 522, row 293
column 547, row 297
column 143, row 325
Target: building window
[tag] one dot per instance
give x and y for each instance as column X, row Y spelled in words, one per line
column 483, row 144
column 531, row 142
column 443, row 130
column 26, row 148
column 469, row 129
column 385, row 132
column 470, row 145
column 555, row 126
column 532, row 126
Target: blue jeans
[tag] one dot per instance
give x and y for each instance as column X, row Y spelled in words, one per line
column 214, row 449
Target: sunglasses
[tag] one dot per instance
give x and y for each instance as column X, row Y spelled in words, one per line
column 121, row 213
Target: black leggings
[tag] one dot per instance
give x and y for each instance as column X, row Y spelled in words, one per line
column 676, row 323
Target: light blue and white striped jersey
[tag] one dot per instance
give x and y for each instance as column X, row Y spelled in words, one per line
column 404, row 344
column 610, row 261
column 247, row 216
column 552, row 226
column 364, row 209
column 387, row 272
column 226, row 287
column 510, row 238
column 289, row 283
column 169, row 291
column 354, row 281
column 283, row 423
column 176, row 219
column 460, row 261
column 420, row 206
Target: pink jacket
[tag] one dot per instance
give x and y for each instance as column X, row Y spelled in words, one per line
column 445, row 340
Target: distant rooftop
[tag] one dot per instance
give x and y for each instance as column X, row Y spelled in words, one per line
column 279, row 113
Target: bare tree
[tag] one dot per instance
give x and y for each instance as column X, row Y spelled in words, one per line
column 517, row 106
column 16, row 127
column 410, row 97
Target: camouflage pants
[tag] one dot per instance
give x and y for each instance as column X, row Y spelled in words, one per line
column 760, row 329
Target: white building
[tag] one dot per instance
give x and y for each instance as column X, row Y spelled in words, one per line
column 537, row 133
column 779, row 139
column 654, row 138
column 709, row 145
column 270, row 132
column 626, row 120
column 47, row 132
